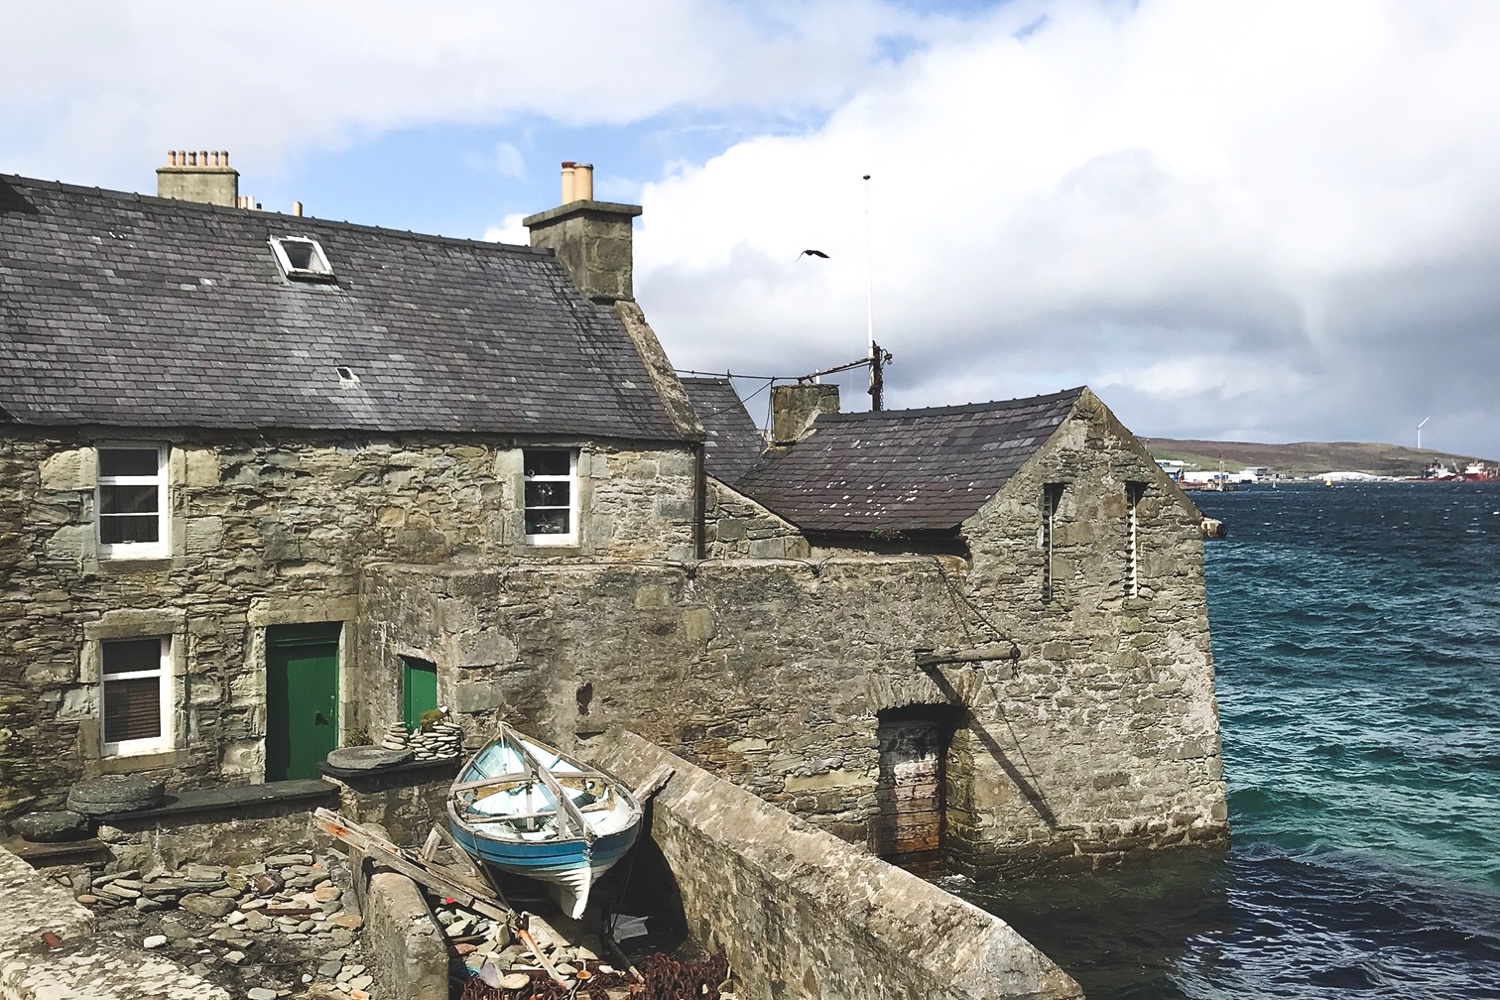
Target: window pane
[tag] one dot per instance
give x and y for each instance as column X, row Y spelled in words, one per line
column 547, row 463
column 126, row 655
column 546, row 522
column 129, row 462
column 132, row 709
column 127, row 500
column 547, row 494
column 115, row 529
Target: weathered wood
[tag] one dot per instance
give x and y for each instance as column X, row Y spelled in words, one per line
column 565, row 804
column 909, row 790
column 979, row 654
column 536, row 953
column 430, row 846
column 461, row 889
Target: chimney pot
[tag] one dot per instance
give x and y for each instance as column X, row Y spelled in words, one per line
column 592, row 239
column 204, row 161
column 225, row 154
column 296, row 208
column 171, row 157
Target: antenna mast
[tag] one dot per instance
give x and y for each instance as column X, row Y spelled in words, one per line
column 877, row 374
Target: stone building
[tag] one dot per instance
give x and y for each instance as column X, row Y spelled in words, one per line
column 268, row 482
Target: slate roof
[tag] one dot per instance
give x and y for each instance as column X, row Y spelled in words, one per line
column 903, row 470
column 733, row 443
column 133, row 311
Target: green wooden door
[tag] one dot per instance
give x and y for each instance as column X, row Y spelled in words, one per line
column 302, row 698
column 418, row 689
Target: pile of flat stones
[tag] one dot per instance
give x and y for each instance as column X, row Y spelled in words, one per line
column 288, row 902
column 490, row 951
column 440, row 741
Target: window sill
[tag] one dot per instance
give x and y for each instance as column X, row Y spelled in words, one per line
column 570, row 549
column 150, row 761
column 119, row 566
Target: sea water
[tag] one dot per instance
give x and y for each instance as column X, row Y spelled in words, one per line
column 1356, row 638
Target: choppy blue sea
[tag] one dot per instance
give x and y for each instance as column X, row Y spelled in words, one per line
column 1356, row 635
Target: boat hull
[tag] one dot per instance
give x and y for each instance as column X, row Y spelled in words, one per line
column 522, row 807
column 569, row 867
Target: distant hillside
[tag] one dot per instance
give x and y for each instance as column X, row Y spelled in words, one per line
column 1307, row 458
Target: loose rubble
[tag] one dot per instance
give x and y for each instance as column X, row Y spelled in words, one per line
column 266, row 931
column 496, row 966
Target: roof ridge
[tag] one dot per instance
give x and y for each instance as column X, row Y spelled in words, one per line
column 191, row 207
column 933, row 411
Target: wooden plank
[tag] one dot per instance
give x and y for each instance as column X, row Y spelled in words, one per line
column 462, row 889
column 430, row 846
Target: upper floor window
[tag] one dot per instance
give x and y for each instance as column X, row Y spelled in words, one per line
column 132, row 502
column 551, row 496
column 135, row 696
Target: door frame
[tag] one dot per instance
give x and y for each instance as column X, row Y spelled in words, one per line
column 341, row 678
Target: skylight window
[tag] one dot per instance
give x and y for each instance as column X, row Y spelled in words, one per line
column 301, row 259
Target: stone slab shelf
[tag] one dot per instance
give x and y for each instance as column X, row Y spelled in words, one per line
column 184, row 805
column 64, row 852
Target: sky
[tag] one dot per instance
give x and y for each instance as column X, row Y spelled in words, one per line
column 1259, row 221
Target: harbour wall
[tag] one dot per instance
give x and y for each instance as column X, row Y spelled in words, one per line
column 801, row 914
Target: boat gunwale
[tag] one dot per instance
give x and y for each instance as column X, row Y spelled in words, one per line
column 461, row 815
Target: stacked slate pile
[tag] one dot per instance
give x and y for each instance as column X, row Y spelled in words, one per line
column 439, row 741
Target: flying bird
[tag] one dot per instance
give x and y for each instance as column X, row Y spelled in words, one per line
column 812, row 253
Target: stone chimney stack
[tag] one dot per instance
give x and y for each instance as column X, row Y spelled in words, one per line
column 201, row 175
column 793, row 408
column 592, row 239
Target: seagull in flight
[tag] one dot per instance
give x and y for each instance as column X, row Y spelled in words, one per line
column 812, row 253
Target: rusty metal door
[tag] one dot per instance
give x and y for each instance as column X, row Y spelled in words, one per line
column 909, row 824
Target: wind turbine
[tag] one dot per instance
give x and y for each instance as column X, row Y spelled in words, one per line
column 1419, row 432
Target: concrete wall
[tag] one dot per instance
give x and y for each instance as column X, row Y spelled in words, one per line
column 801, row 914
column 263, row 532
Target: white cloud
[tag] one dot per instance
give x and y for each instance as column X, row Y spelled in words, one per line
column 1174, row 202
column 1268, row 218
column 510, row 231
column 106, row 84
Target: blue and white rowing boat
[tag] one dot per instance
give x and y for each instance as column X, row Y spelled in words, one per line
column 523, row 807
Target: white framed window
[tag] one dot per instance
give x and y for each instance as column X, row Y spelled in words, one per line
column 132, row 502
column 135, row 698
column 551, row 499
column 301, row 259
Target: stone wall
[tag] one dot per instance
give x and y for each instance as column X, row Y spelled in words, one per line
column 1106, row 730
column 801, row 914
column 263, row 531
column 1098, row 740
column 737, row 527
